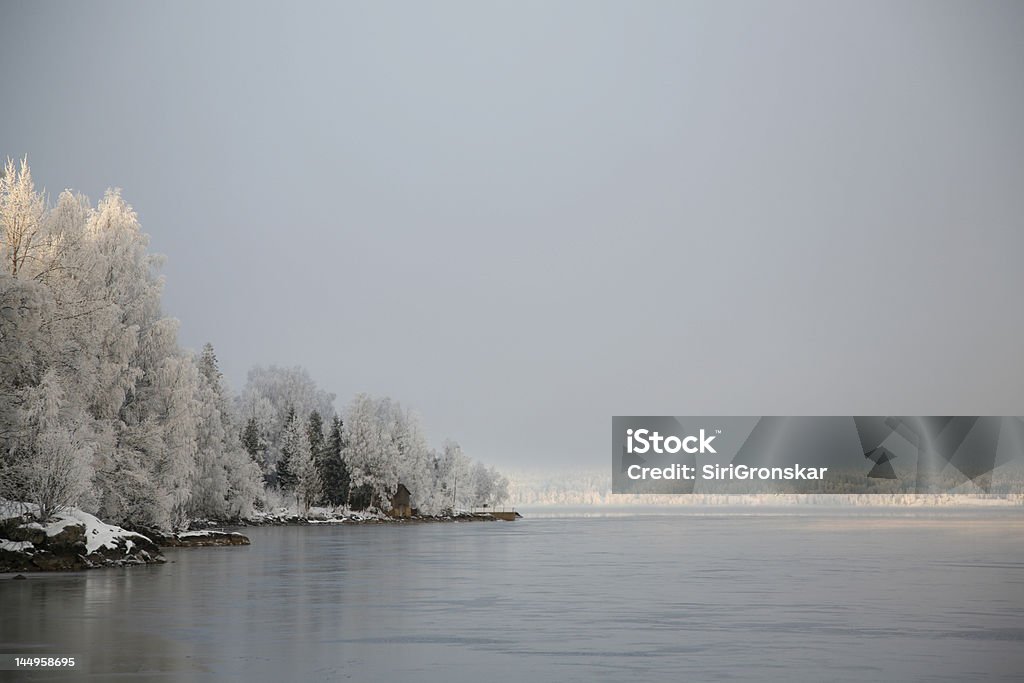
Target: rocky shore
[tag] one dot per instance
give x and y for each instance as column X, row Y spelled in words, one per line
column 75, row 540
column 71, row 540
column 284, row 518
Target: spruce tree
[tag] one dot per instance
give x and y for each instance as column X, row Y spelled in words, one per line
column 333, row 471
column 208, row 365
column 254, row 445
column 290, row 444
column 315, row 434
column 251, row 441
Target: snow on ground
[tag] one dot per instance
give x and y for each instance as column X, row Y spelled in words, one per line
column 319, row 515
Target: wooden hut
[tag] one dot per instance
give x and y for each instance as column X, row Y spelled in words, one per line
column 401, row 502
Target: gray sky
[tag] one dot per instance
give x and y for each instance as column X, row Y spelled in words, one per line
column 522, row 218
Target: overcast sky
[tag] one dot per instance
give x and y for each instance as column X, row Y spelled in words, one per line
column 521, row 218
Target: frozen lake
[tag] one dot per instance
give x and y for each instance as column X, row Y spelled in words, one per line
column 805, row 595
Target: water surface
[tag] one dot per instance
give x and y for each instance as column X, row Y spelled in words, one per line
column 698, row 595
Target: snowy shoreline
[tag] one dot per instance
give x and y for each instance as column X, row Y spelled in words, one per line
column 350, row 518
column 71, row 540
column 74, row 540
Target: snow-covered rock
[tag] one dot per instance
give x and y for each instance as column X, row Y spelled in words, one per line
column 206, row 537
column 72, row 539
column 192, row 539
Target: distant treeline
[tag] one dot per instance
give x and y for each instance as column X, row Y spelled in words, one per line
column 102, row 409
column 585, row 487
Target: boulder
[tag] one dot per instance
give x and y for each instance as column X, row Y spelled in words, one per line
column 33, row 532
column 199, row 539
column 124, row 551
column 191, row 539
column 15, row 560
column 47, row 561
column 158, row 537
column 71, row 539
column 10, row 522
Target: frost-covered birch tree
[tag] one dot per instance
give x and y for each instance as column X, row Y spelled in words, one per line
column 362, row 451
column 308, row 485
column 21, row 217
column 50, row 466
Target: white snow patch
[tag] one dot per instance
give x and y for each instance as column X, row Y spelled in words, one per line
column 15, row 546
column 98, row 534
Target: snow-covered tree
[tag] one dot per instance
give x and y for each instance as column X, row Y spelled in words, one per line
column 174, row 386
column 245, row 484
column 50, row 467
column 271, row 393
column 384, row 445
column 453, row 474
column 373, row 442
column 415, row 460
column 25, row 343
column 296, row 470
column 362, row 451
column 308, row 485
column 227, row 480
column 21, row 217
column 489, row 487
column 292, row 441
